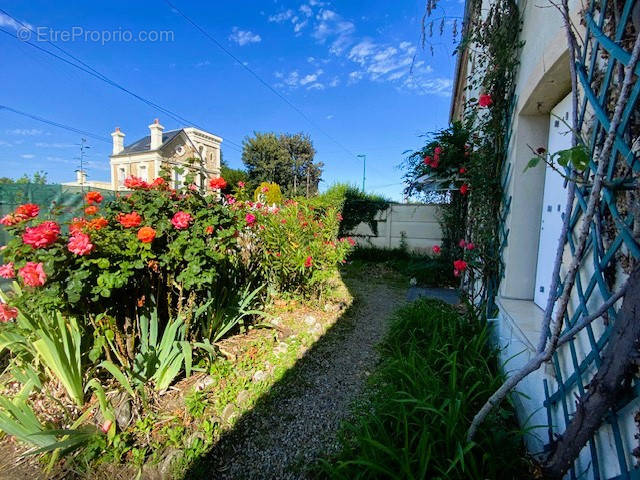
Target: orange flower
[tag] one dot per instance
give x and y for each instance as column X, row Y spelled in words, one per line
column 218, row 183
column 146, row 234
column 91, row 210
column 129, row 220
column 98, row 223
column 209, row 230
column 93, row 197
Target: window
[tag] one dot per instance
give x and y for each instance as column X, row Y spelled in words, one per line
column 122, row 174
column 143, row 172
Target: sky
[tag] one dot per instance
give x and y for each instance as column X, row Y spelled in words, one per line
column 353, row 75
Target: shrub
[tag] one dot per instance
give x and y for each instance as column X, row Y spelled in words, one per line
column 268, row 193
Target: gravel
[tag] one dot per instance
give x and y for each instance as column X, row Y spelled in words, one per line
column 289, row 430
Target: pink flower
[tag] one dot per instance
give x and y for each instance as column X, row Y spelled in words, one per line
column 7, row 270
column 351, row 241
column 181, row 220
column 437, row 150
column 464, row 189
column 217, row 183
column 264, row 189
column 7, row 313
column 9, row 220
column 250, row 219
column 240, row 184
column 134, row 183
column 308, row 262
column 193, row 187
column 80, row 244
column 42, row 235
column 459, row 266
column 470, row 246
column 436, row 249
column 462, row 243
column 485, row 100
column 106, row 426
column 32, row 274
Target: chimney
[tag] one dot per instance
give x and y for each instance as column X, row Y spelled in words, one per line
column 156, row 135
column 81, row 177
column 118, row 141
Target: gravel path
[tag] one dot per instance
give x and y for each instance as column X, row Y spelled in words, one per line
column 289, row 430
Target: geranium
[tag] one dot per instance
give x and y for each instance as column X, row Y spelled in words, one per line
column 485, row 100
column 28, row 210
column 135, row 183
column 181, row 220
column 217, row 183
column 42, row 235
column 129, row 220
column 91, row 210
column 7, row 313
column 80, row 244
column 464, row 189
column 7, row 270
column 93, row 197
column 459, row 266
column 32, row 274
column 146, row 234
column 436, row 249
column 308, row 262
column 250, row 219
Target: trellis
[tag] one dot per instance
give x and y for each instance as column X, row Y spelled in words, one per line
column 596, row 70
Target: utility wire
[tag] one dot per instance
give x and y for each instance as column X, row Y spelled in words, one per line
column 258, row 77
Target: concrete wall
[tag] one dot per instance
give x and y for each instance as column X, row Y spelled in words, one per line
column 418, row 223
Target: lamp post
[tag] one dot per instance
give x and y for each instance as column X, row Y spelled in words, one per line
column 364, row 168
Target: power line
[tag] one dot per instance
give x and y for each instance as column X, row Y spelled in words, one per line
column 258, row 77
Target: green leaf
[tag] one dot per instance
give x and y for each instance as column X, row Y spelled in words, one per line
column 532, row 163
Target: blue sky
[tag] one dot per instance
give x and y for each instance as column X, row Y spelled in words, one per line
column 346, row 65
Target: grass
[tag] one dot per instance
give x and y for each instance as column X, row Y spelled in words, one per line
column 436, row 371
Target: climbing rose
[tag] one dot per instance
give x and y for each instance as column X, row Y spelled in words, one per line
column 308, row 261
column 91, row 210
column 129, row 220
column 32, row 274
column 459, row 266
column 436, row 249
column 41, row 236
column 218, row 183
column 7, row 313
column 7, row 270
column 28, row 210
column 134, row 183
column 146, row 234
column 181, row 220
column 464, row 189
column 250, row 218
column 485, row 100
column 80, row 244
column 93, row 197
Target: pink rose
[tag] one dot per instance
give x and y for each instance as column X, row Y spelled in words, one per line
column 7, row 313
column 436, row 249
column 42, row 235
column 181, row 220
column 32, row 274
column 250, row 218
column 7, row 270
column 80, row 244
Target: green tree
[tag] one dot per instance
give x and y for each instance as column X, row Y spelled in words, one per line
column 39, row 177
column 232, row 176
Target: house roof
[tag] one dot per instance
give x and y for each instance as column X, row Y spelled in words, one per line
column 144, row 143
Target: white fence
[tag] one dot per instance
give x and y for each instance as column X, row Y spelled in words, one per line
column 417, row 224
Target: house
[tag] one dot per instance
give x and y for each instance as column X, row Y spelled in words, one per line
column 172, row 150
column 533, row 206
column 82, row 182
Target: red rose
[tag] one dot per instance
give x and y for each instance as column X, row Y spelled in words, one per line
column 217, row 183
column 28, row 210
column 91, row 210
column 146, row 234
column 93, row 197
column 485, row 100
column 135, row 183
column 128, row 220
column 459, row 266
column 42, row 235
column 464, row 189
column 436, row 249
column 463, row 170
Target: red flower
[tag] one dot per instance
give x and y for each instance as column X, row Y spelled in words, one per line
column 250, row 218
column 128, row 220
column 28, row 210
column 351, row 241
column 437, row 150
column 240, row 184
column 218, row 183
column 7, row 313
column 432, row 162
column 158, row 182
column 32, row 274
column 91, row 210
column 463, row 170
column 181, row 220
column 308, row 262
column 340, row 218
column 80, row 244
column 135, row 183
column 77, row 225
column 93, row 197
column 470, row 246
column 9, row 220
column 436, row 249
column 208, row 230
column 7, row 270
column 265, row 189
column 464, row 189
column 41, row 236
column 98, row 223
column 459, row 266
column 485, row 100
column 146, row 234
column 462, row 243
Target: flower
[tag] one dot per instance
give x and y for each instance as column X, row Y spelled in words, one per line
column 77, row 225
column 208, row 230
column 485, row 100
column 240, row 184
column 106, row 426
column 98, row 223
column 91, row 210
column 134, row 183
column 340, row 217
column 308, row 262
column 128, row 220
column 181, row 220
column 146, row 234
column 470, row 246
column 464, row 189
column 9, row 220
column 7, row 313
column 459, row 266
column 80, row 244
column 436, row 249
column 351, row 241
column 7, row 270
column 462, row 243
column 158, row 182
column 463, row 170
column 432, row 162
column 265, row 189
column 218, row 183
column 32, row 274
column 28, row 210
column 93, row 197
column 42, row 235
column 250, row 218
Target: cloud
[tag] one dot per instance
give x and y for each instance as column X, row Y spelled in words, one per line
column 4, row 143
column 295, row 79
column 25, row 131
column 333, row 29
column 428, row 86
column 281, row 17
column 329, row 117
column 203, row 63
column 244, row 37
column 306, row 10
column 54, row 145
column 27, row 155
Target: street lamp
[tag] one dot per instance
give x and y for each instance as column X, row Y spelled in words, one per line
column 364, row 168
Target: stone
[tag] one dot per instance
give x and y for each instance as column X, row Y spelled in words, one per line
column 123, row 414
column 259, row 376
column 317, row 328
column 228, row 413
column 310, row 320
column 203, row 383
column 243, row 398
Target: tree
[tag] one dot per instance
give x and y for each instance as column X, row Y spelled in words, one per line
column 285, row 159
column 39, row 178
column 232, row 176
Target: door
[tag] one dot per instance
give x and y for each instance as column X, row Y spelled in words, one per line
column 553, row 203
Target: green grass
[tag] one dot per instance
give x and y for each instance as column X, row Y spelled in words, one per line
column 436, row 371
